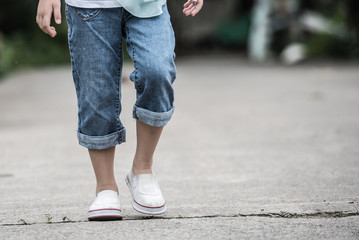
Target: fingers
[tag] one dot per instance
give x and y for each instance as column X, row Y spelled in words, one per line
column 57, row 12
column 195, row 11
column 44, row 24
column 189, row 7
column 44, row 12
column 192, row 7
column 187, row 4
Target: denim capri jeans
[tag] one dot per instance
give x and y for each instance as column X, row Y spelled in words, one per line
column 95, row 42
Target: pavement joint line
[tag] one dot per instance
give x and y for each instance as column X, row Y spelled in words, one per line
column 282, row 214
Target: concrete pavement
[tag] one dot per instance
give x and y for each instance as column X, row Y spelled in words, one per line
column 251, row 152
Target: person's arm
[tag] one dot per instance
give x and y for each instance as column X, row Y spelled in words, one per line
column 45, row 9
column 192, row 7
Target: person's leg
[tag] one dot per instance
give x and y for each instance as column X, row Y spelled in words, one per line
column 95, row 43
column 150, row 43
column 102, row 162
column 96, row 55
column 147, row 139
column 146, row 194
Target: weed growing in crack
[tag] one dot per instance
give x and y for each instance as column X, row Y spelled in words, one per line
column 49, row 218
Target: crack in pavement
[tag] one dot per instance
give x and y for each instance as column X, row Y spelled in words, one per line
column 281, row 214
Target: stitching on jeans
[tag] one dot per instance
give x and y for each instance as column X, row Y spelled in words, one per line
column 133, row 56
column 76, row 76
column 87, row 17
column 119, row 81
column 118, row 88
column 134, row 62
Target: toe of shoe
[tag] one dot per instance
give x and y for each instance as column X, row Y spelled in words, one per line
column 149, row 201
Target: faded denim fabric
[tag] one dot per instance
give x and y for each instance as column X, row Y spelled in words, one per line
column 95, row 42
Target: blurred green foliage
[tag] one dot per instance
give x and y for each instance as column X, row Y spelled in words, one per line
column 23, row 43
column 324, row 46
column 346, row 46
column 20, row 50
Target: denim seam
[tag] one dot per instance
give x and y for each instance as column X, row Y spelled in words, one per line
column 133, row 57
column 119, row 81
column 74, row 72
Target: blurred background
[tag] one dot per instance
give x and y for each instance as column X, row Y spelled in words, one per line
column 266, row 121
column 285, row 31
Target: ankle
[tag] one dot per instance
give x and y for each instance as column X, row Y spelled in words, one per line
column 103, row 187
column 141, row 165
column 137, row 171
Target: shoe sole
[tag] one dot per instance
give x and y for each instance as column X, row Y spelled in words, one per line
column 105, row 215
column 144, row 209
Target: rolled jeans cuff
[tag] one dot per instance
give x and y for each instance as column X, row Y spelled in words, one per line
column 102, row 142
column 154, row 119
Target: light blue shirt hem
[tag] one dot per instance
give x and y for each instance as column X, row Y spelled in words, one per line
column 143, row 8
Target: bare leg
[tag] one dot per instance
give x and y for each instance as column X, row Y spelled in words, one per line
column 102, row 162
column 147, row 139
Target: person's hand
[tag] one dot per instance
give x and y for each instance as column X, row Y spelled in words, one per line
column 192, row 7
column 45, row 9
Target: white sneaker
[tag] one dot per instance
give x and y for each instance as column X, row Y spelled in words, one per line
column 146, row 193
column 106, row 207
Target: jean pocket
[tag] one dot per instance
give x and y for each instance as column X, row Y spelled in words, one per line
column 87, row 13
